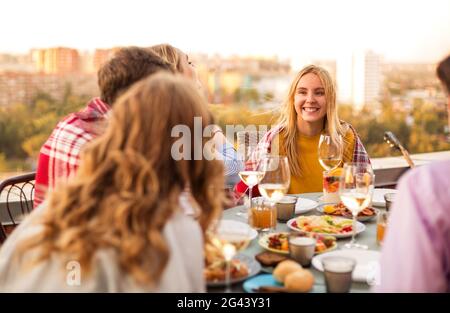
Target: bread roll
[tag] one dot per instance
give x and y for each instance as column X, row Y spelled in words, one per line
column 299, row 281
column 284, row 268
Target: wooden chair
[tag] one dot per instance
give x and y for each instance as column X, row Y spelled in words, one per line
column 16, row 201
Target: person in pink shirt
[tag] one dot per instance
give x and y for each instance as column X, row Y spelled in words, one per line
column 416, row 252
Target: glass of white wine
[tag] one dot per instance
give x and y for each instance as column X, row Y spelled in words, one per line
column 356, row 187
column 277, row 178
column 330, row 152
column 230, row 241
column 251, row 176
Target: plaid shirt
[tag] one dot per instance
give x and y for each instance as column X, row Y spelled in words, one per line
column 60, row 155
column 359, row 155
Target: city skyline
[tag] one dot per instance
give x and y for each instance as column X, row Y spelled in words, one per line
column 401, row 31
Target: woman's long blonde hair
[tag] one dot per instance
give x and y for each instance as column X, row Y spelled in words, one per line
column 288, row 117
column 169, row 54
column 128, row 185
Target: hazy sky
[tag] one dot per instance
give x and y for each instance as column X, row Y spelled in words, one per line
column 401, row 30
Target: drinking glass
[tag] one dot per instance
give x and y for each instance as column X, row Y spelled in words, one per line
column 276, row 180
column 389, row 199
column 338, row 273
column 382, row 221
column 230, row 241
column 262, row 216
column 229, row 251
column 355, row 189
column 330, row 184
column 330, row 152
column 302, row 249
column 251, row 176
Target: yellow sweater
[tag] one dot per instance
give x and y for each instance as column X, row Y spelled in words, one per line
column 312, row 171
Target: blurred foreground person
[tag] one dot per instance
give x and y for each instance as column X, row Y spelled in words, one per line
column 119, row 225
column 416, row 252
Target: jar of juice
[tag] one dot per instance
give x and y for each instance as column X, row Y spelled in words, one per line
column 262, row 215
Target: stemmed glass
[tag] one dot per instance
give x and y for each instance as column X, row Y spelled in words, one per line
column 230, row 241
column 251, row 176
column 330, row 156
column 229, row 251
column 356, row 187
column 330, row 152
column 277, row 177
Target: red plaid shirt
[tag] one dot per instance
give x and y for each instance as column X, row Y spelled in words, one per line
column 60, row 155
column 263, row 147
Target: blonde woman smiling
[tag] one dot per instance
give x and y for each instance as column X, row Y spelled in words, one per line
column 121, row 217
column 309, row 110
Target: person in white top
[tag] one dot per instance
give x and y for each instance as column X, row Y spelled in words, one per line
column 120, row 225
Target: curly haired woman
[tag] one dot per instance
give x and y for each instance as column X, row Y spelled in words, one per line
column 119, row 225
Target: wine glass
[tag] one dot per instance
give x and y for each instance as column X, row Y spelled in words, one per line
column 251, row 176
column 356, row 186
column 330, row 152
column 230, row 240
column 276, row 180
column 229, row 251
column 330, row 156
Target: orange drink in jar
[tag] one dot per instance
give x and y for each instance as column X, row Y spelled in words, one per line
column 382, row 220
column 262, row 215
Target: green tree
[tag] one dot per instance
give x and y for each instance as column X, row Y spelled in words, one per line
column 3, row 166
column 25, row 127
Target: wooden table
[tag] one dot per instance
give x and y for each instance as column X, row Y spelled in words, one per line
column 368, row 237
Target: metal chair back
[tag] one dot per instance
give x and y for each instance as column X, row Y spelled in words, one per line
column 16, row 201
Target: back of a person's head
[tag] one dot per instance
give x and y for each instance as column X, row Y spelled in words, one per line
column 443, row 73
column 128, row 66
column 169, row 54
column 152, row 108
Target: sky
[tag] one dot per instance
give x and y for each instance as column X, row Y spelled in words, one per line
column 399, row 30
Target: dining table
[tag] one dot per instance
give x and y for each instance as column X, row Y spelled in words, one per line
column 367, row 237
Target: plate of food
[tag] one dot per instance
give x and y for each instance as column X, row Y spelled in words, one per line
column 325, row 225
column 278, row 242
column 242, row 267
column 341, row 210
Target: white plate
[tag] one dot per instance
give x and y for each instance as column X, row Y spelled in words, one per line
column 367, row 263
column 360, row 227
column 304, row 205
column 236, row 227
column 378, row 196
